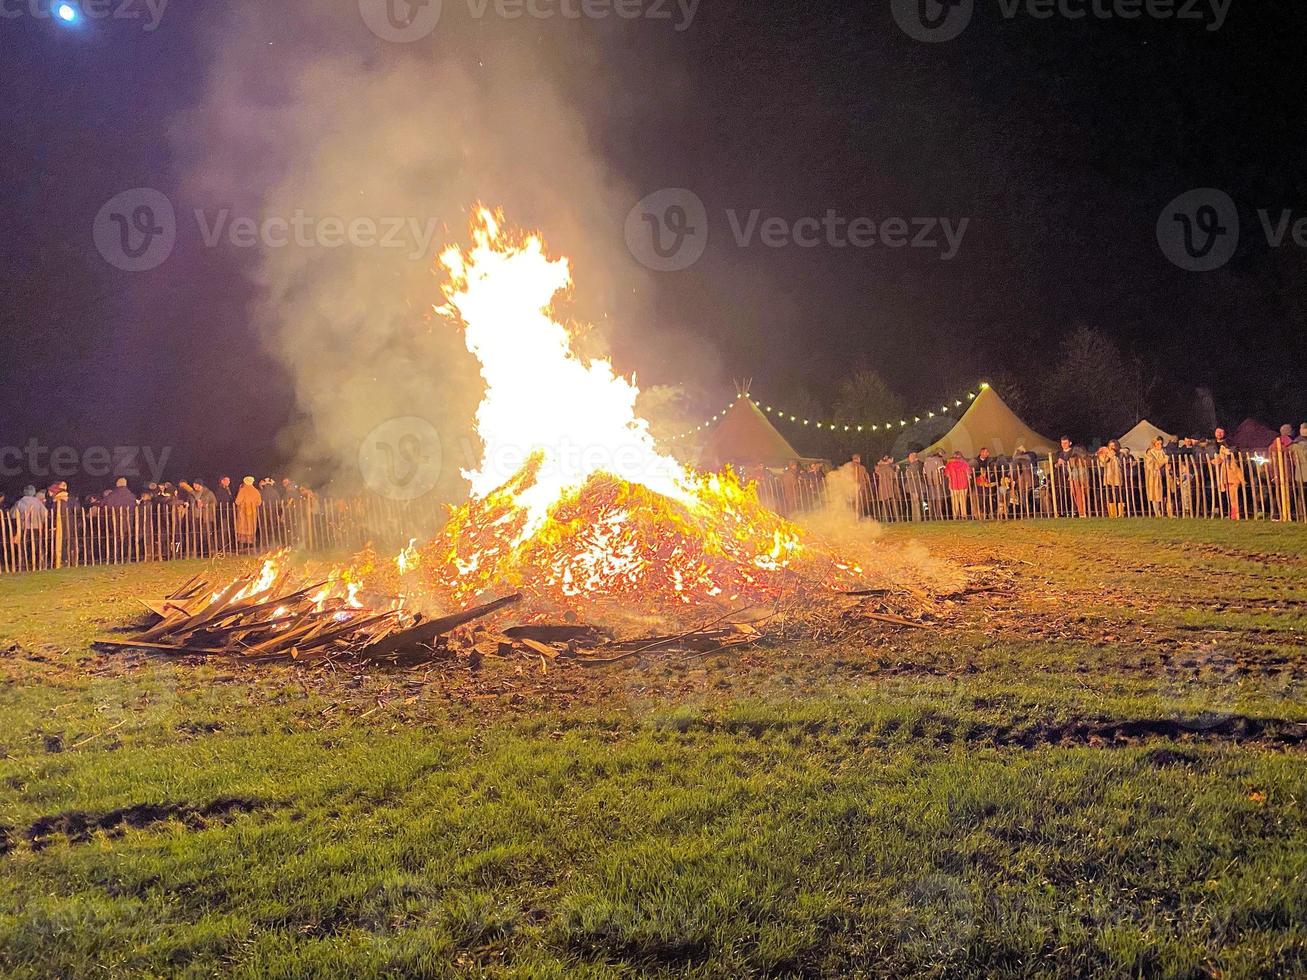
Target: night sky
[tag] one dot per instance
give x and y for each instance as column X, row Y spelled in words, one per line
column 1060, row 142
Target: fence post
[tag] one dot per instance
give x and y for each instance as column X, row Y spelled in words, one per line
column 1052, row 484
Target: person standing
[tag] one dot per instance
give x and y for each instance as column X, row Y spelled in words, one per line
column 1230, row 475
column 861, row 486
column 120, row 497
column 1024, row 464
column 986, row 484
column 1155, row 461
column 248, row 502
column 204, row 507
column 914, row 482
column 790, row 489
column 1073, row 463
column 887, row 489
column 1277, row 467
column 1182, row 464
column 1109, row 464
column 1297, row 466
column 958, row 473
column 1060, row 481
column 812, row 486
column 119, row 508
column 932, row 471
column 30, row 521
column 63, row 524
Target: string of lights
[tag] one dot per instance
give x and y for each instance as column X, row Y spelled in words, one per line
column 827, row 426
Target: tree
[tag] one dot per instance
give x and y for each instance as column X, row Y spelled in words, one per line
column 864, row 399
column 1094, row 391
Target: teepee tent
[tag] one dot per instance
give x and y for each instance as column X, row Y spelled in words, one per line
column 1138, row 439
column 744, row 437
column 990, row 423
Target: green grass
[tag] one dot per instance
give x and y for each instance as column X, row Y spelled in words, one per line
column 924, row 802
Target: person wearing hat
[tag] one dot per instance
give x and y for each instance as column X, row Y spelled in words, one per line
column 248, row 502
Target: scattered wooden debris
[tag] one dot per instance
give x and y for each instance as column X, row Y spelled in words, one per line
column 254, row 621
column 273, row 615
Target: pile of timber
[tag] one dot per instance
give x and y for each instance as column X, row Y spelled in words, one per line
column 286, row 620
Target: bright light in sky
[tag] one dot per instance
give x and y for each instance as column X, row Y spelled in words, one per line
column 66, row 12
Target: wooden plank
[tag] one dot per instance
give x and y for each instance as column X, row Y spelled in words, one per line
column 428, row 631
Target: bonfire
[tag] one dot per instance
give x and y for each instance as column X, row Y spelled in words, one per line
column 574, row 503
column 575, row 513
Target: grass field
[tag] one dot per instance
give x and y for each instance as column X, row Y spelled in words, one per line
column 1096, row 770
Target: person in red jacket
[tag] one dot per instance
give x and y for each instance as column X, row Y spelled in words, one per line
column 958, row 473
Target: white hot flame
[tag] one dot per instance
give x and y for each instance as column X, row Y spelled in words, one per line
column 541, row 397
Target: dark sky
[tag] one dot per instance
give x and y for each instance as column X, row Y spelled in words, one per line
column 1060, row 141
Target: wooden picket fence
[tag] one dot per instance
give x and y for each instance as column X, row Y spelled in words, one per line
column 67, row 536
column 1184, row 486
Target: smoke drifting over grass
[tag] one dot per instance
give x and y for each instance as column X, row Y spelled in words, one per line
column 896, row 564
column 331, row 123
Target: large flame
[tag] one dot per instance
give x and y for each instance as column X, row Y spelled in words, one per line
column 573, row 498
column 573, row 504
column 541, row 399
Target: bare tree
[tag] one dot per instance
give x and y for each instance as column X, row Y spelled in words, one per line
column 1094, row 391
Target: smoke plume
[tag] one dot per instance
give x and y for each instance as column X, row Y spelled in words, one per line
column 327, row 121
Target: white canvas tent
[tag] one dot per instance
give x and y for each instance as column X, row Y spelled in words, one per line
column 990, row 423
column 1138, row 439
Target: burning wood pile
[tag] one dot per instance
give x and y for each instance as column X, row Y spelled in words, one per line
column 576, row 516
column 272, row 615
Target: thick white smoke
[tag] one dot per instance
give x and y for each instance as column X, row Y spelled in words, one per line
column 331, row 122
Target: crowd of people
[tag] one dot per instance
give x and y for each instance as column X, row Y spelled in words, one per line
column 1194, row 477
column 1202, row 476
column 191, row 506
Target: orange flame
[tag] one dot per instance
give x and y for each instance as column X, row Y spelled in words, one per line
column 572, row 497
column 572, row 500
